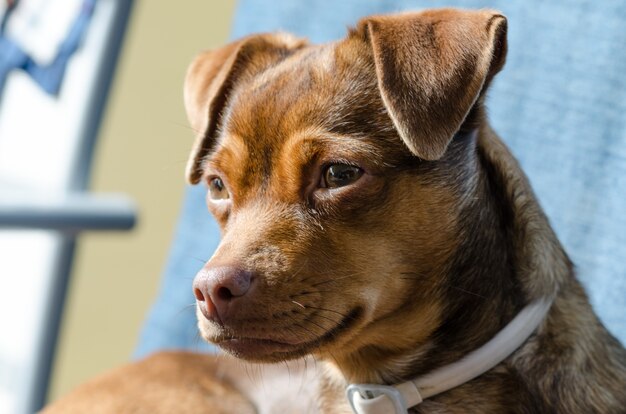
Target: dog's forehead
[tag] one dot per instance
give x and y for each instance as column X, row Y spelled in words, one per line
column 330, row 88
column 312, row 87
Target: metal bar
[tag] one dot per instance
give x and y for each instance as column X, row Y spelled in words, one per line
column 70, row 213
column 56, row 300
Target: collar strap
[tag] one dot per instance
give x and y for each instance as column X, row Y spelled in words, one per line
column 387, row 399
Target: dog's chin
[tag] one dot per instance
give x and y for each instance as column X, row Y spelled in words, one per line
column 260, row 350
column 274, row 346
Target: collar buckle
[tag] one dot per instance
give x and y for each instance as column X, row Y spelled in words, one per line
column 375, row 399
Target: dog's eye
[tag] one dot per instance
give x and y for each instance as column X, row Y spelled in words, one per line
column 217, row 189
column 340, row 175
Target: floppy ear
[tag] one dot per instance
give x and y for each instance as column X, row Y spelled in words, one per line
column 432, row 67
column 211, row 78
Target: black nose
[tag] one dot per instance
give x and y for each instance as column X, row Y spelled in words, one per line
column 217, row 288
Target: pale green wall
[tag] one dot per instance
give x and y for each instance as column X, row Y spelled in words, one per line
column 141, row 151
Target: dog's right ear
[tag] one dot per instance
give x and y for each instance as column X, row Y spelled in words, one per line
column 210, row 79
column 432, row 67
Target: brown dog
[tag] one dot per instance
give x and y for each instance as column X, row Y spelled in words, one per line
column 371, row 218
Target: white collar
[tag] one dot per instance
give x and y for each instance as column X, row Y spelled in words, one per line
column 387, row 399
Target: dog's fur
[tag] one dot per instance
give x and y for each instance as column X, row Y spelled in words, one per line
column 421, row 260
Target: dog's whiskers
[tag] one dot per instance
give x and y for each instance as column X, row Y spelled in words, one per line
column 186, row 308
column 311, row 292
column 198, row 259
column 184, row 126
column 314, row 335
column 317, row 274
column 328, row 310
column 293, row 276
column 468, row 292
column 421, row 277
column 319, row 308
column 328, row 318
column 333, row 280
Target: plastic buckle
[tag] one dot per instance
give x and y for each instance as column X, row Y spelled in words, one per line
column 371, row 391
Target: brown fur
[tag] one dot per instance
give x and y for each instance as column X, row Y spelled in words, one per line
column 425, row 257
column 182, row 382
column 163, row 383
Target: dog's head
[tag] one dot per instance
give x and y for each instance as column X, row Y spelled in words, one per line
column 338, row 175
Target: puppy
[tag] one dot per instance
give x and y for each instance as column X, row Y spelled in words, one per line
column 371, row 218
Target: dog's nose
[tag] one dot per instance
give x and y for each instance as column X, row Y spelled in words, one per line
column 216, row 288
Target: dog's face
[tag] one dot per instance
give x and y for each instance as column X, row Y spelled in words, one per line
column 330, row 173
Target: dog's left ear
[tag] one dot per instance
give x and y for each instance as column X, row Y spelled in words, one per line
column 432, row 67
column 211, row 78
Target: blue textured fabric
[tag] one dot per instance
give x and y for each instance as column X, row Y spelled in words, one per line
column 559, row 103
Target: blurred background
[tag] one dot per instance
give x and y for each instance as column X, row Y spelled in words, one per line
column 140, row 153
column 94, row 141
column 142, row 149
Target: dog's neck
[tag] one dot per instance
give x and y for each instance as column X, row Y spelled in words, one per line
column 487, row 274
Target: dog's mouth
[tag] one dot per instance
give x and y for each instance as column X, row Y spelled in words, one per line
column 267, row 349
